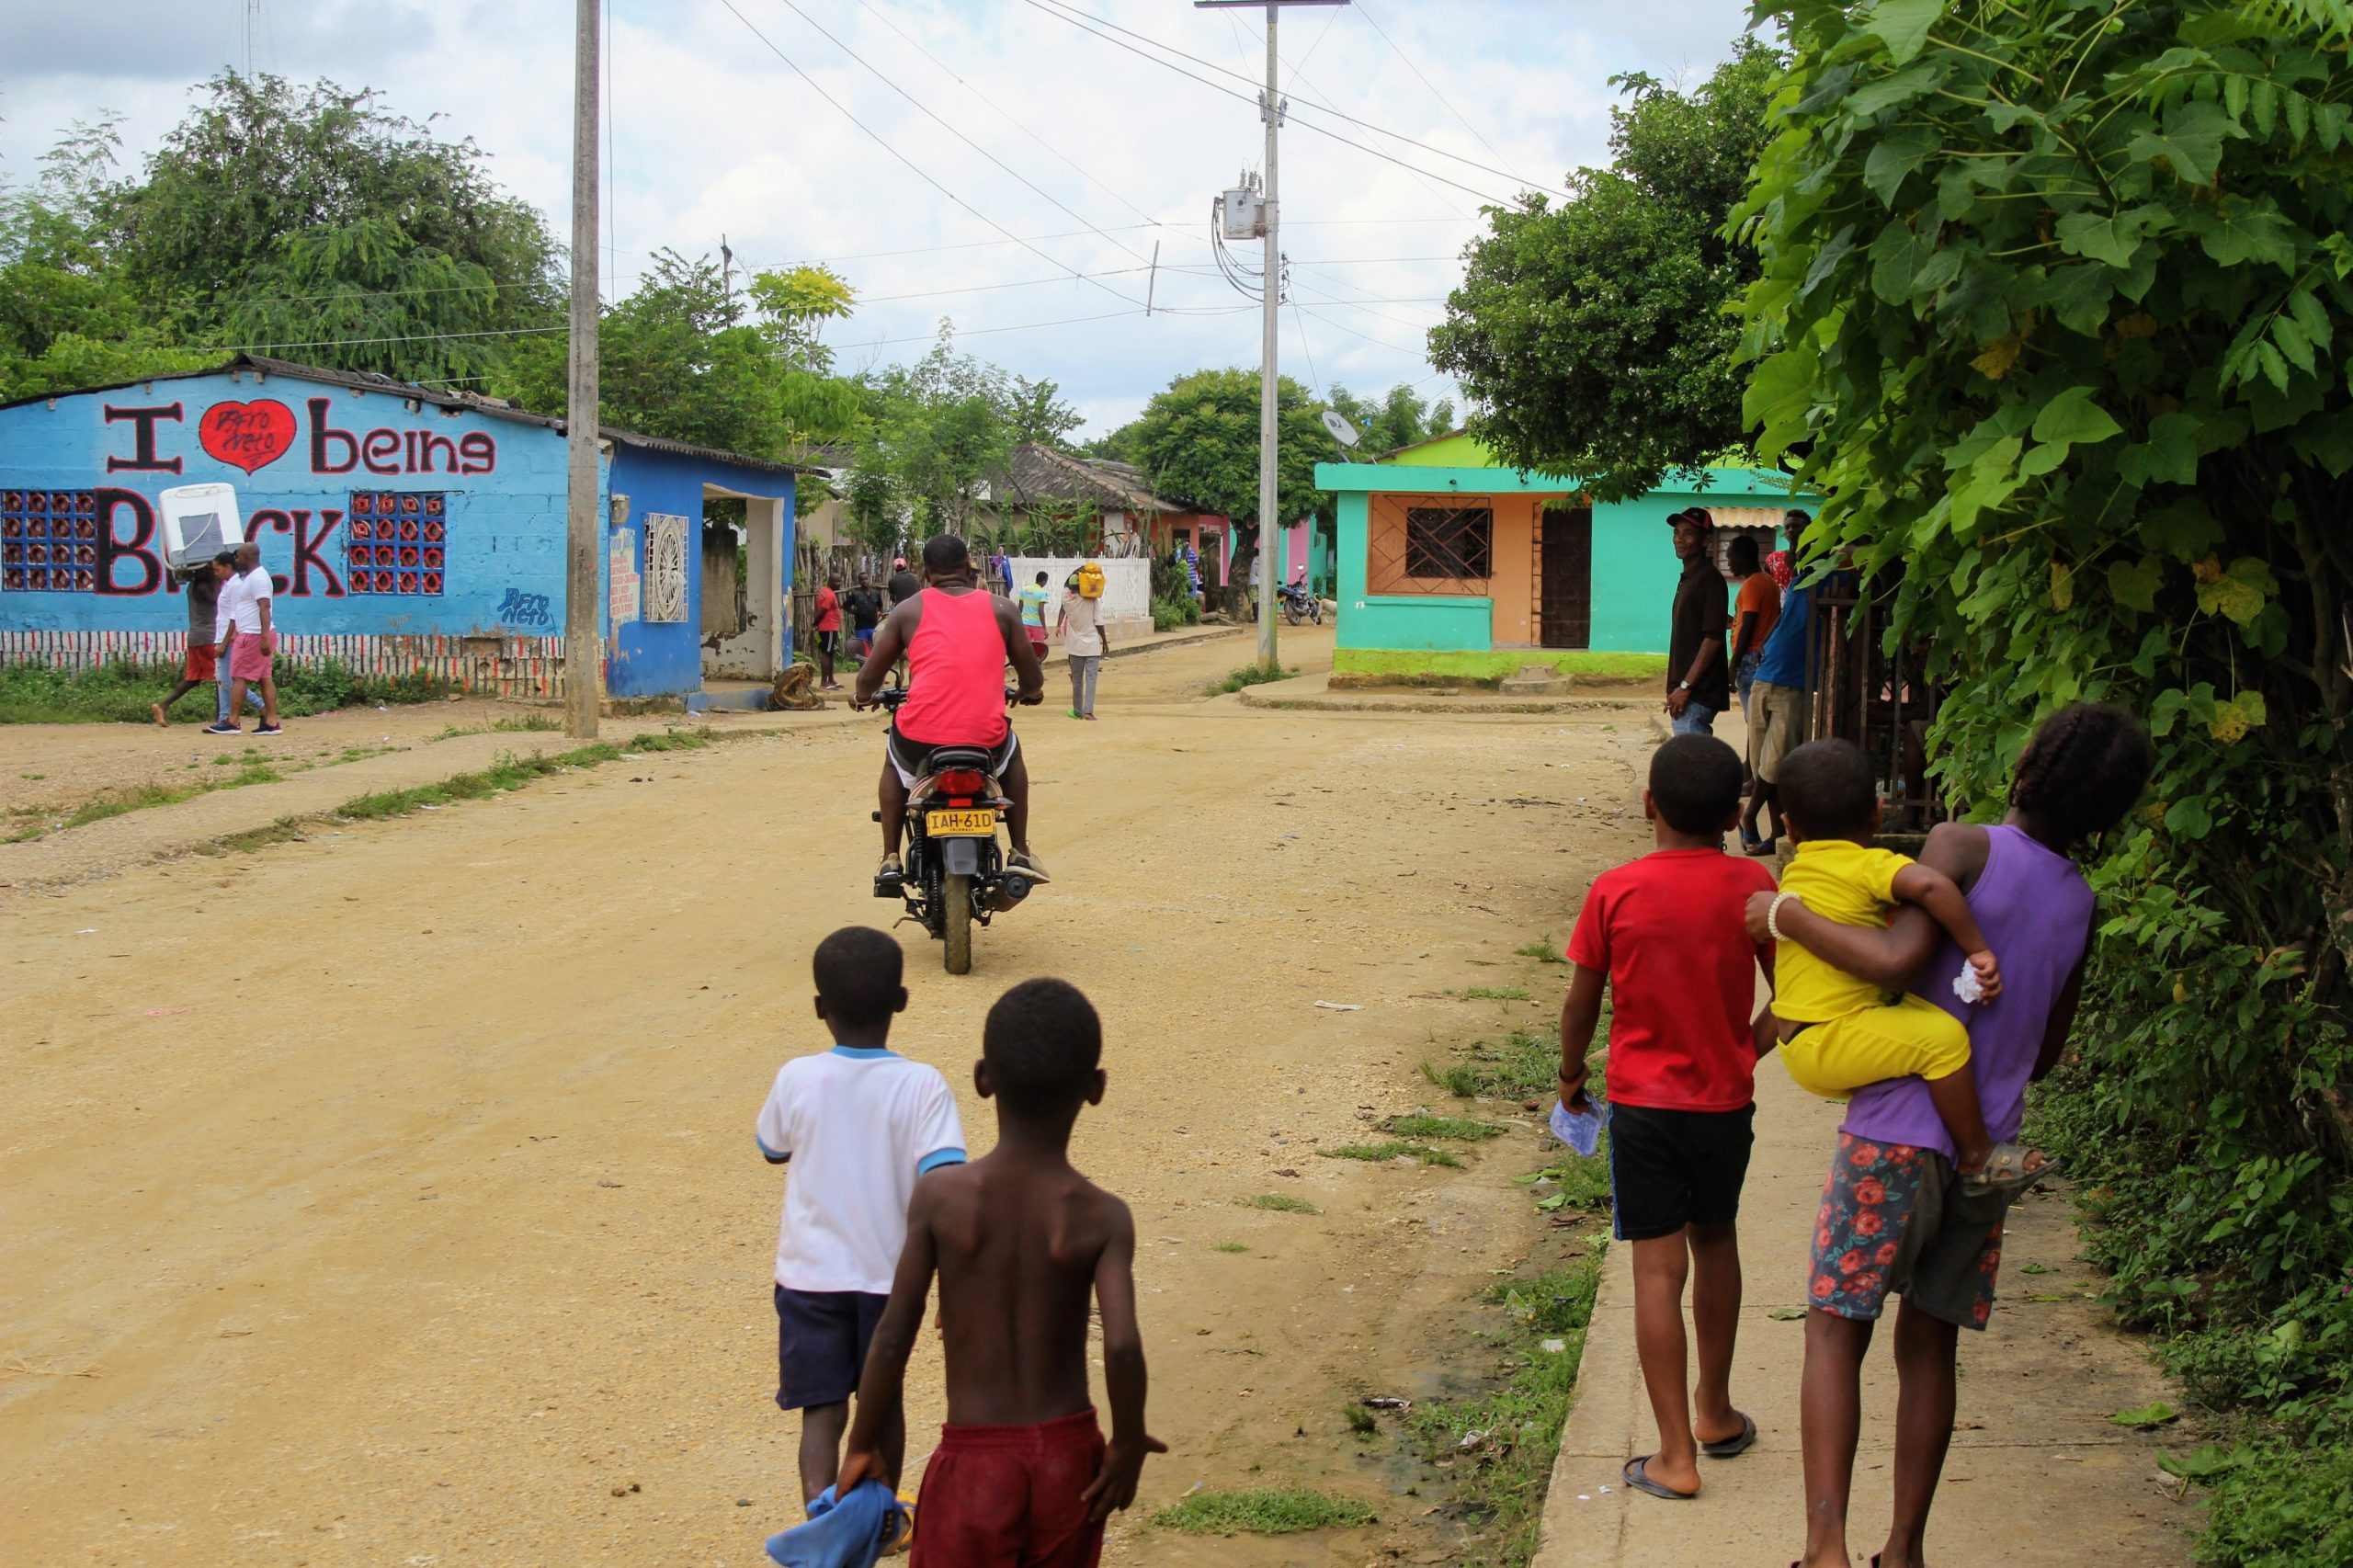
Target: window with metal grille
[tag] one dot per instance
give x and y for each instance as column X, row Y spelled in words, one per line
column 1449, row 541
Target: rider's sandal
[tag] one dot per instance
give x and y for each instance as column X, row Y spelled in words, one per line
column 2005, row 1171
column 1029, row 869
column 890, row 877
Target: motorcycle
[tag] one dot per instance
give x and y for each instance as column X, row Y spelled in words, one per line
column 954, row 870
column 1297, row 603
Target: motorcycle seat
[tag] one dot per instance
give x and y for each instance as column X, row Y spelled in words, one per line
column 973, row 757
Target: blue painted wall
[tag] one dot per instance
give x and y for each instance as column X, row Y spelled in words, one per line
column 655, row 658
column 309, row 462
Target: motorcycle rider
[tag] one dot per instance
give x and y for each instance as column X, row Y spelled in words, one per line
column 956, row 640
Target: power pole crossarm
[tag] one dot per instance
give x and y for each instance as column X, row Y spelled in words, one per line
column 583, row 660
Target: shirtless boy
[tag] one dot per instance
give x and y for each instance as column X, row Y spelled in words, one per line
column 1021, row 1243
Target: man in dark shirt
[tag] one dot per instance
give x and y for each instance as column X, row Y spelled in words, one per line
column 863, row 605
column 905, row 585
column 1698, row 681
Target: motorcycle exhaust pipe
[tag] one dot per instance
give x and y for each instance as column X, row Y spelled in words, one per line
column 1011, row 889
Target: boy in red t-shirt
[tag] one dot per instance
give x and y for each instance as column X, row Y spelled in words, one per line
column 1666, row 933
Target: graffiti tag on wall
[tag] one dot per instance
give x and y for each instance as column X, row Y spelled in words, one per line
column 520, row 608
column 104, row 539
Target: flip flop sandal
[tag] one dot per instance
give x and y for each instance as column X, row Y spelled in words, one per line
column 1639, row 1477
column 1739, row 1443
column 2005, row 1171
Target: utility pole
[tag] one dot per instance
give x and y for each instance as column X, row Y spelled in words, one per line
column 584, row 650
column 1270, row 111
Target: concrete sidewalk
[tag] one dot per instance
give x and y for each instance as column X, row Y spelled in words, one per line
column 2037, row 1474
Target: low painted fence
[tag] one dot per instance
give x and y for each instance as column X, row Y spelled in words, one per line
column 495, row 664
column 1127, row 588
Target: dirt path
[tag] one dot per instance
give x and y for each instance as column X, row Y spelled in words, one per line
column 389, row 1195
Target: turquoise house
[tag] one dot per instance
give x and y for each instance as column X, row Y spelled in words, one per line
column 1440, row 550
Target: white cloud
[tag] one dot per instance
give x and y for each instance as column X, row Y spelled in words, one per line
column 714, row 135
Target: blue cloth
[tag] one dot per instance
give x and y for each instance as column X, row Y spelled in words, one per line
column 1698, row 719
column 848, row 1533
column 1782, row 662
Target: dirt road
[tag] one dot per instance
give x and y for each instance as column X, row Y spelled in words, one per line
column 390, row 1197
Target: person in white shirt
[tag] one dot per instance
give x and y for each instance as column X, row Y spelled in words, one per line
column 1084, row 639
column 857, row 1124
column 251, row 638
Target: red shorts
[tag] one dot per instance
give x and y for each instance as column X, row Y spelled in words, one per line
column 200, row 661
column 1038, row 643
column 1009, row 1497
column 248, row 662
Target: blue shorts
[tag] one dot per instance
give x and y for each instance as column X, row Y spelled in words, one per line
column 1698, row 719
column 821, row 1337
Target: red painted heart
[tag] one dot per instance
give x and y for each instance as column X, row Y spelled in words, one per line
column 247, row 435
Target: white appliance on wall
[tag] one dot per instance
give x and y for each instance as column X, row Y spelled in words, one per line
column 199, row 522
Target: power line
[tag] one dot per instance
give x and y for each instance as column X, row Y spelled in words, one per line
column 1421, row 354
column 877, row 136
column 926, row 110
column 1431, row 86
column 1074, row 16
column 1053, row 151
column 1076, row 21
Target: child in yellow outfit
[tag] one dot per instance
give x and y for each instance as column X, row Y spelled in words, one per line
column 1840, row 1033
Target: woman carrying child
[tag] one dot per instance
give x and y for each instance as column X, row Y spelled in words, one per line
column 1893, row 1216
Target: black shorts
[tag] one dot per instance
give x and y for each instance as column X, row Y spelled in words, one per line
column 829, row 642
column 912, row 758
column 1673, row 1168
column 821, row 1343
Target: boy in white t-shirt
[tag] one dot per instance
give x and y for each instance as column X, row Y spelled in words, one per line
column 858, row 1124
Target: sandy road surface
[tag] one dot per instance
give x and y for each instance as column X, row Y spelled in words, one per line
column 390, row 1197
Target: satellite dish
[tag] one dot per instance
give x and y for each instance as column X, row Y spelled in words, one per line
column 1342, row 431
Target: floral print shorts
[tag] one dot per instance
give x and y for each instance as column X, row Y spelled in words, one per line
column 1894, row 1217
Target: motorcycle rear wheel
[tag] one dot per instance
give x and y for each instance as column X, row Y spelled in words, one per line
column 1291, row 613
column 956, row 923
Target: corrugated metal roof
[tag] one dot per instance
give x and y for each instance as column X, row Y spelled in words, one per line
column 496, row 408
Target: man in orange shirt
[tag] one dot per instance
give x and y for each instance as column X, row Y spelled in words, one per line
column 1756, row 608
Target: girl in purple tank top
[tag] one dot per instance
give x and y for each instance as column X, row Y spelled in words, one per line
column 1894, row 1217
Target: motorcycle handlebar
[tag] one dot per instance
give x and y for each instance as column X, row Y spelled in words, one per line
column 890, row 697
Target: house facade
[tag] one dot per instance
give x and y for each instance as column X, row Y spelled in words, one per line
column 1442, row 549
column 407, row 530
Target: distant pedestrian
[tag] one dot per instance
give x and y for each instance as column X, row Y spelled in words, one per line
column 1684, row 1039
column 1757, row 605
column 1698, row 681
column 1777, row 695
column 251, row 641
column 863, row 605
column 828, row 627
column 903, row 584
column 1033, row 599
column 1084, row 636
column 202, row 584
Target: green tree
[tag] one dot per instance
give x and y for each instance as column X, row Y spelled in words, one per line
column 2055, row 311
column 937, row 434
column 68, row 318
column 1197, row 441
column 678, row 359
column 312, row 223
column 1400, row 419
column 1592, row 338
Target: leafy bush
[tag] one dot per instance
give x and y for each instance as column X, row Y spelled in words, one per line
column 120, row 692
column 2051, row 313
column 1167, row 614
column 1251, row 674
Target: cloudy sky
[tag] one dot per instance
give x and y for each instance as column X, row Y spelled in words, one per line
column 984, row 122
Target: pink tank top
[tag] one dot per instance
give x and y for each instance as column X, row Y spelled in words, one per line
column 955, row 672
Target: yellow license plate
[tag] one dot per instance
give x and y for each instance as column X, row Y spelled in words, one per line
column 977, row 823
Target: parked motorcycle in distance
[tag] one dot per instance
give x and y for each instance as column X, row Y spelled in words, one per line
column 955, row 871
column 1297, row 603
